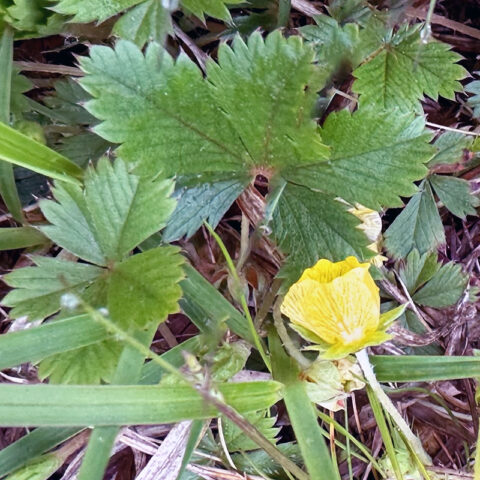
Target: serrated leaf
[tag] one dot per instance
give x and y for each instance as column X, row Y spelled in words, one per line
column 455, row 194
column 214, row 8
column 83, row 148
column 444, row 289
column 310, row 225
column 90, row 10
column 20, row 85
column 450, row 147
column 149, row 21
column 263, row 110
column 345, row 45
column 418, row 269
column 125, row 209
column 235, row 437
column 71, row 223
column 87, row 365
column 116, row 212
column 38, row 290
column 258, row 92
column 66, row 103
column 144, row 288
column 205, row 202
column 32, row 18
column 375, row 157
column 474, row 100
column 405, row 70
column 418, row 226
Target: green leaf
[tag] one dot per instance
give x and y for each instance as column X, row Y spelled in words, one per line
column 421, row 368
column 18, row 101
column 21, row 237
column 342, row 46
column 451, row 146
column 21, row 150
column 75, row 405
column 149, row 21
column 38, row 290
column 116, row 212
column 258, row 92
column 92, row 10
column 144, row 288
column 83, row 148
column 66, row 104
column 35, row 344
column 235, row 437
column 70, row 223
column 418, row 269
column 40, row 468
column 375, row 158
column 405, row 70
column 125, row 210
column 444, row 289
column 418, row 226
column 32, row 18
column 165, row 96
column 86, row 365
column 310, row 225
column 31, row 445
column 205, row 202
column 474, row 100
column 258, row 460
column 214, row 8
column 455, row 194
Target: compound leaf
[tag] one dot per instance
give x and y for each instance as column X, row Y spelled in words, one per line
column 38, row 290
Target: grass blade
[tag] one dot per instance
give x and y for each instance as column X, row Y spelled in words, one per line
column 102, row 439
column 32, row 345
column 302, row 414
column 81, row 405
column 8, row 188
column 205, row 301
column 21, row 150
column 422, row 368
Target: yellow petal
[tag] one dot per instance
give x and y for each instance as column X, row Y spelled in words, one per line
column 325, row 271
column 342, row 311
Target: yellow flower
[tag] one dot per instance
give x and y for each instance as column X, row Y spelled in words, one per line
column 337, row 304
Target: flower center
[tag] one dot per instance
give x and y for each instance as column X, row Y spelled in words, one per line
column 354, row 336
